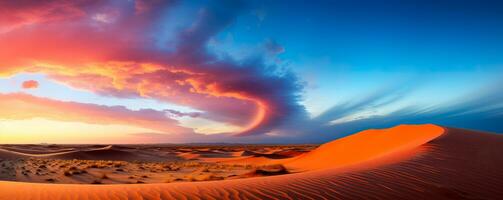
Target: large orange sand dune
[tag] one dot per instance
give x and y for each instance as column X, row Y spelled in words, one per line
column 405, row 162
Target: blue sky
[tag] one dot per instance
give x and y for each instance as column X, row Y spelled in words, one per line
column 346, row 49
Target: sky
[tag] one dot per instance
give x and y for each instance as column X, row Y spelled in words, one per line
column 154, row 71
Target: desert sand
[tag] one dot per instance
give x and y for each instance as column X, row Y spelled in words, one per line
column 403, row 162
column 129, row 164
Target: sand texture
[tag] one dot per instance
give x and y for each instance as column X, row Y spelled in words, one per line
column 404, row 162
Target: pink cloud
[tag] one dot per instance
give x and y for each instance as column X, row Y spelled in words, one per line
column 19, row 106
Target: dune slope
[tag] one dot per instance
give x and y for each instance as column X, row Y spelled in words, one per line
column 102, row 153
column 458, row 164
column 365, row 146
column 6, row 154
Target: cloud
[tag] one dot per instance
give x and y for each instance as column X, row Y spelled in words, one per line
column 31, row 84
column 19, row 106
column 108, row 47
column 480, row 109
column 273, row 47
column 175, row 113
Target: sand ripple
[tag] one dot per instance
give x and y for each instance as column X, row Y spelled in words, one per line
column 458, row 165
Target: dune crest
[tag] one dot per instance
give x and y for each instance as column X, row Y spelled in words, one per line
column 365, row 146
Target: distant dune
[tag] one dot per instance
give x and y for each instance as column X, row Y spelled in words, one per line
column 94, row 153
column 404, row 162
column 6, row 154
column 108, row 153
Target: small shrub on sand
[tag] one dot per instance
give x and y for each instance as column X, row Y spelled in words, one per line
column 205, row 177
column 270, row 170
column 205, row 169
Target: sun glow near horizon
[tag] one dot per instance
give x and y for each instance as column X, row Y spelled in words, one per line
column 37, row 130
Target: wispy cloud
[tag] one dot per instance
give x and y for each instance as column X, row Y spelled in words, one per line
column 19, row 106
column 481, row 110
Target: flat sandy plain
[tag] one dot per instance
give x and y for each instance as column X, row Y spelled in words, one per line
column 403, row 162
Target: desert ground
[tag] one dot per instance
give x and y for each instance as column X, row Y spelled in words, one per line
column 127, row 164
column 403, row 162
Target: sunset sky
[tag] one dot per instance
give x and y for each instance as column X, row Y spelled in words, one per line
column 150, row 71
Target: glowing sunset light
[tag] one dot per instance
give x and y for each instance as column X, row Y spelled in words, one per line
column 236, row 99
column 238, row 71
column 37, row 130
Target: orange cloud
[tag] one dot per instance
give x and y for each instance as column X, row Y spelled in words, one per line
column 31, row 84
column 20, row 106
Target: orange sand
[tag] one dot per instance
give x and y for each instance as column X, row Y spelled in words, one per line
column 365, row 146
column 459, row 164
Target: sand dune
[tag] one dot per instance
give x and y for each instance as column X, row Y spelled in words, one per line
column 97, row 153
column 31, row 151
column 105, row 153
column 24, row 153
column 365, row 146
column 405, row 162
column 6, row 154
